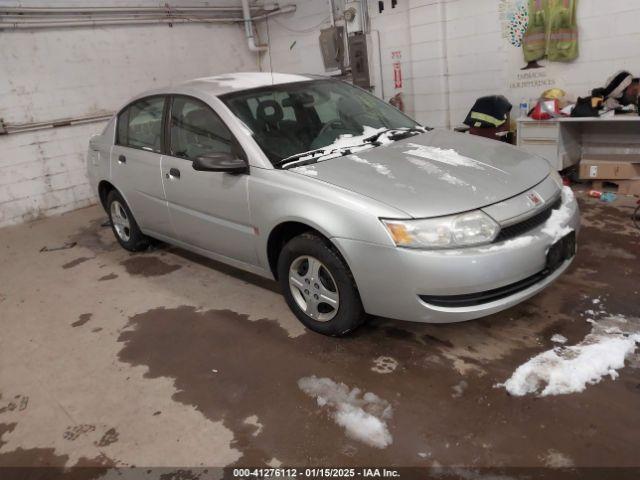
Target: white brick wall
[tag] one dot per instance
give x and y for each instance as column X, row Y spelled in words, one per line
column 57, row 73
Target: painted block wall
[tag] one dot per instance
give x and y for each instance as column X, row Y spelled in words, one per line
column 453, row 51
column 59, row 73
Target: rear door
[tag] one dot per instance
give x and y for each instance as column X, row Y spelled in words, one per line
column 135, row 163
column 209, row 210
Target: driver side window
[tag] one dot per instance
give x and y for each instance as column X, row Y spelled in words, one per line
column 196, row 130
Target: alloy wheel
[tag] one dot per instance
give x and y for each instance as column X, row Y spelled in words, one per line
column 314, row 288
column 120, row 221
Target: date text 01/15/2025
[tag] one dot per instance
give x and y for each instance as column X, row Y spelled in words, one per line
column 312, row 473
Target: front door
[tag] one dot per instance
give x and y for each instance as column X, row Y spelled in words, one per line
column 209, row 210
column 135, row 163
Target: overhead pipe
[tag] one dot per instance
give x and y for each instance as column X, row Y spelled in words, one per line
column 168, row 16
column 248, row 29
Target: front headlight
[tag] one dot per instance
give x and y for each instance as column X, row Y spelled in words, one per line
column 466, row 229
column 555, row 176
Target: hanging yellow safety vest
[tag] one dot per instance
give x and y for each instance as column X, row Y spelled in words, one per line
column 552, row 31
column 534, row 42
column 562, row 45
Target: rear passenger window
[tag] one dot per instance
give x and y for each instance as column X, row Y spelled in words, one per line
column 140, row 125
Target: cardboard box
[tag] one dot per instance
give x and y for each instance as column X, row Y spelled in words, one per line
column 629, row 187
column 611, row 168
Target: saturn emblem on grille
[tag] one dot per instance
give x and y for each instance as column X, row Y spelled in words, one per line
column 534, row 199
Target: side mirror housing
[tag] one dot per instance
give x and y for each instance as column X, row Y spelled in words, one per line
column 220, row 162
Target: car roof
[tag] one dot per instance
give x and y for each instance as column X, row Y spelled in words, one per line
column 233, row 82
column 228, row 83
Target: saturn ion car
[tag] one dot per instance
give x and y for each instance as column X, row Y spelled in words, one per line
column 353, row 207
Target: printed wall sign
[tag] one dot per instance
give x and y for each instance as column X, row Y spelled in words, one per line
column 397, row 68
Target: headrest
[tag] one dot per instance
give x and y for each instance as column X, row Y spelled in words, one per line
column 270, row 111
column 198, row 120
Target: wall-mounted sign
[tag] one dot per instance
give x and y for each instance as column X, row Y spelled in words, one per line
column 396, row 55
column 397, row 75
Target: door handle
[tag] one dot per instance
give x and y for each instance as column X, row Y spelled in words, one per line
column 173, row 173
column 122, row 159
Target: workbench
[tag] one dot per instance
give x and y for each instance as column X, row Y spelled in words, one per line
column 564, row 141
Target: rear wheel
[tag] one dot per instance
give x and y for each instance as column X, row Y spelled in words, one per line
column 318, row 286
column 123, row 224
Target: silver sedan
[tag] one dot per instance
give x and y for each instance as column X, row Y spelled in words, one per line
column 351, row 205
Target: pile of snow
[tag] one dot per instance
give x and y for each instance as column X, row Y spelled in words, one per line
column 557, row 338
column 362, row 416
column 569, row 369
column 556, row 226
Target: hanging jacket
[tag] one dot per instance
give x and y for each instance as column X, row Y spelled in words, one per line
column 552, row 31
column 562, row 43
column 534, row 41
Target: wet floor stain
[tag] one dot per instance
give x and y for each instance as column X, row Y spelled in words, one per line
column 75, row 262
column 231, row 369
column 82, row 319
column 17, row 403
column 148, row 266
column 111, row 276
column 74, row 432
column 109, row 437
column 95, row 238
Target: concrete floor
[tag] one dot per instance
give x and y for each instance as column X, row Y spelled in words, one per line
column 166, row 359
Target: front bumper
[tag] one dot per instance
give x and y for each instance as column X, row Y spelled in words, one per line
column 391, row 280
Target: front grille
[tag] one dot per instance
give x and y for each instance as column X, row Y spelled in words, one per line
column 520, row 228
column 472, row 299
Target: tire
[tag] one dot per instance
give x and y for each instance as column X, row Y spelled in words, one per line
column 308, row 263
column 124, row 226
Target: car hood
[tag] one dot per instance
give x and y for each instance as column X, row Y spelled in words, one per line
column 435, row 173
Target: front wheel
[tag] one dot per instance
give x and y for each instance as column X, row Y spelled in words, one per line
column 318, row 286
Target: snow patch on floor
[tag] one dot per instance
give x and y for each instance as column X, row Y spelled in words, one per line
column 459, row 388
column 569, row 369
column 557, row 338
column 363, row 416
column 384, row 365
column 555, row 459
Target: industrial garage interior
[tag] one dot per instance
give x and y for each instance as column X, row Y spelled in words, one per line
column 473, row 255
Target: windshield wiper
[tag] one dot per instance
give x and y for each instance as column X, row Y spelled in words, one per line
column 396, row 134
column 314, row 155
column 392, row 134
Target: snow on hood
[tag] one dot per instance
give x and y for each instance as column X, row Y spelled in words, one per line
column 362, row 416
column 569, row 369
column 430, row 174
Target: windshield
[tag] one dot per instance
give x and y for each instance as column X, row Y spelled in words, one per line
column 290, row 119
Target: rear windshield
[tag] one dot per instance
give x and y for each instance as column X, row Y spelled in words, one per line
column 297, row 117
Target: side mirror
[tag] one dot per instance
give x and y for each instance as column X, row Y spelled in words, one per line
column 220, row 162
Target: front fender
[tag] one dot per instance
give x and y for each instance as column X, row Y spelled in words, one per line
column 278, row 196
